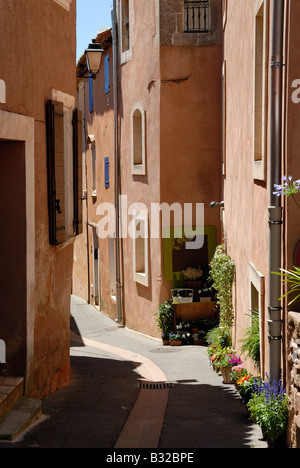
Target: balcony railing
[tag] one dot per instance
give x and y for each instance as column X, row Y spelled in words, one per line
column 196, row 16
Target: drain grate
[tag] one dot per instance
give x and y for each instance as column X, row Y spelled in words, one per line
column 155, row 385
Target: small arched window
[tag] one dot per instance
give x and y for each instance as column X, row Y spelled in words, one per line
column 138, row 139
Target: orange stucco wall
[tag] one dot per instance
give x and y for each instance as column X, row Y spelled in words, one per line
column 140, row 80
column 183, row 143
column 38, row 50
column 191, row 126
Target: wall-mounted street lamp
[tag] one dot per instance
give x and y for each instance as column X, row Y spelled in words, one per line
column 93, row 55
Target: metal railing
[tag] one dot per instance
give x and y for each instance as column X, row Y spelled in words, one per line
column 196, row 16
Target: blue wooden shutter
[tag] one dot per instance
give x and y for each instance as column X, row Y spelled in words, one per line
column 91, row 96
column 106, row 73
column 106, row 172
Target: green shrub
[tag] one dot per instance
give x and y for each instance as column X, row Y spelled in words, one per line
column 251, row 340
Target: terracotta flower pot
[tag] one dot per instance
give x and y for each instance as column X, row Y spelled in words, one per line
column 226, row 374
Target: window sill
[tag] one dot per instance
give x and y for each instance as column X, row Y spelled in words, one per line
column 259, row 170
column 141, row 278
column 64, row 3
column 126, row 56
column 67, row 242
column 138, row 169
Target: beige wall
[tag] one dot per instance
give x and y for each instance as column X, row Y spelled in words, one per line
column 41, row 43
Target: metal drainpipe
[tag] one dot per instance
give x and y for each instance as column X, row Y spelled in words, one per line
column 275, row 209
column 116, row 162
column 86, row 196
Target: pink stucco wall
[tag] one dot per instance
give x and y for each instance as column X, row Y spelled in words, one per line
column 246, row 199
column 99, row 126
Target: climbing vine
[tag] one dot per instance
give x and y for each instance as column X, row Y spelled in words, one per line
column 222, row 274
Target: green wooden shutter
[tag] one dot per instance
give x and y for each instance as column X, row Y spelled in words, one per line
column 56, row 171
column 77, row 165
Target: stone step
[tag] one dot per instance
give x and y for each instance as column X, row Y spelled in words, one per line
column 11, row 390
column 24, row 412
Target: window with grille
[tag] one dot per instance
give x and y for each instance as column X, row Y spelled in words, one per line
column 196, row 16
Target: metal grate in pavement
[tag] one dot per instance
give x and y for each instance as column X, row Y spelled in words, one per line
column 155, row 385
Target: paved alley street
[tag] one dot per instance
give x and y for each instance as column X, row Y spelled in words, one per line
column 114, row 400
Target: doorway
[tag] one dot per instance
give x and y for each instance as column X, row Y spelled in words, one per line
column 13, row 257
column 96, row 268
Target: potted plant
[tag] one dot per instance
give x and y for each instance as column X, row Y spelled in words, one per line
column 226, row 362
column 175, row 339
column 195, row 326
column 192, row 274
column 165, row 338
column 199, row 338
column 269, row 409
column 165, row 319
column 251, row 340
column 291, row 277
column 245, row 386
column 211, row 351
column 193, row 279
column 237, row 373
column 204, row 293
column 218, row 359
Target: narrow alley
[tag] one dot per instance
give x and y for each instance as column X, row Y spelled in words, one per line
column 150, row 184
column 103, row 406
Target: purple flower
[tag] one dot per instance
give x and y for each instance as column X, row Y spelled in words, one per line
column 289, row 187
column 235, row 361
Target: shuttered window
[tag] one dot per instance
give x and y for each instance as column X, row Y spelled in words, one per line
column 91, row 95
column 106, row 73
column 77, row 167
column 57, row 174
column 56, row 171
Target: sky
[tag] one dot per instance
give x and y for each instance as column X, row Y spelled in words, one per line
column 92, row 16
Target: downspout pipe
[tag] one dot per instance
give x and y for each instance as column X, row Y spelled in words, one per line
column 86, row 197
column 119, row 318
column 275, row 209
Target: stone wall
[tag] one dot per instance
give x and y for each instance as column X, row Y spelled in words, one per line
column 294, row 378
column 172, row 25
